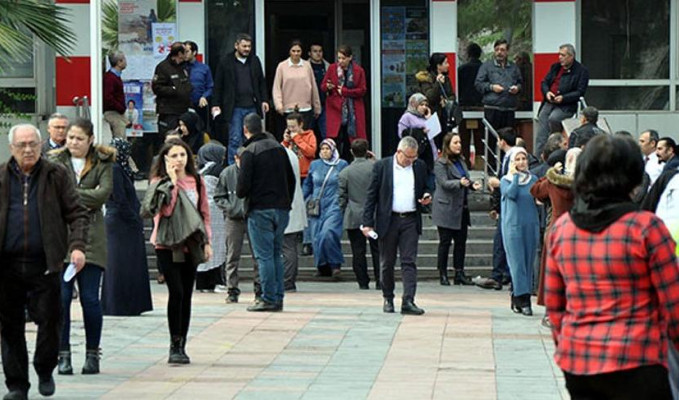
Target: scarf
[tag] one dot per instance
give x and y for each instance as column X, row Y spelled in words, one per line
column 211, row 159
column 348, row 111
column 335, row 159
column 123, row 150
column 524, row 176
column 594, row 214
column 414, row 101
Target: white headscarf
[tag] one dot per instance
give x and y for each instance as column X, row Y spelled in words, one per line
column 524, row 176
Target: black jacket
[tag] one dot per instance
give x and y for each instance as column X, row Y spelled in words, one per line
column 225, row 87
column 172, row 88
column 378, row 203
column 582, row 134
column 572, row 85
column 266, row 179
column 59, row 208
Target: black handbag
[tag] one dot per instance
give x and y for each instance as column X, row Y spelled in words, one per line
column 313, row 206
column 451, row 111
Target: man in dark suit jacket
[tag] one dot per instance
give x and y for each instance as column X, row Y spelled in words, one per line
column 240, row 89
column 352, row 194
column 396, row 195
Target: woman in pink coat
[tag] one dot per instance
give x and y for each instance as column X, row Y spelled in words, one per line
column 345, row 86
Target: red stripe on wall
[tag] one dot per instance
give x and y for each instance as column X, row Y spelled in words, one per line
column 541, row 64
column 452, row 70
column 199, row 57
column 73, row 79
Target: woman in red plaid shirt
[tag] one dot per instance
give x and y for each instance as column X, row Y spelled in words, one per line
column 612, row 282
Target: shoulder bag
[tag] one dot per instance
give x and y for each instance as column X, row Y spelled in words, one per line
column 313, row 206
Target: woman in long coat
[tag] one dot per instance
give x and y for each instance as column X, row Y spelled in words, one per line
column 126, row 289
column 211, row 162
column 91, row 168
column 450, row 208
column 345, row 86
column 520, row 228
column 326, row 229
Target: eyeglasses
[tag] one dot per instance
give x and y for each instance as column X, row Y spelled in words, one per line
column 24, row 145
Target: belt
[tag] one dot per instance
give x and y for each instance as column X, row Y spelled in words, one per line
column 402, row 214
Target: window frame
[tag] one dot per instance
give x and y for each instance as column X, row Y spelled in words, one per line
column 672, row 83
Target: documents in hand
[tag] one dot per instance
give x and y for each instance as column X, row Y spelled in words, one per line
column 434, row 126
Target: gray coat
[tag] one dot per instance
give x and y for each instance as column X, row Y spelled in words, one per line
column 225, row 194
column 297, row 221
column 492, row 73
column 354, row 181
column 449, row 195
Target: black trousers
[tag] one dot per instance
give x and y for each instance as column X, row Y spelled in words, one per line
column 343, row 144
column 24, row 285
column 460, row 237
column 179, row 277
column 402, row 237
column 644, row 383
column 360, row 262
column 498, row 119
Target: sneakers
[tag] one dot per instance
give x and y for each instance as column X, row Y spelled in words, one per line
column 264, row 306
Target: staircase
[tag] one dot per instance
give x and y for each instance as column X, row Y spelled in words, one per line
column 478, row 257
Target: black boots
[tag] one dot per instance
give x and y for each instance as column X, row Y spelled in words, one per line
column 461, row 279
column 64, row 366
column 177, row 352
column 91, row 365
column 443, row 277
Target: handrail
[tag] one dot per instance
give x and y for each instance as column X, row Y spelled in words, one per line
column 82, row 107
column 496, row 152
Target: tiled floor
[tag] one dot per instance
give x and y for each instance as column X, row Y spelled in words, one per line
column 331, row 342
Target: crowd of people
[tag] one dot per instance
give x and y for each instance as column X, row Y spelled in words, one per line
column 598, row 208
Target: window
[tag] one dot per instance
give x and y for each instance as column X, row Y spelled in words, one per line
column 626, row 47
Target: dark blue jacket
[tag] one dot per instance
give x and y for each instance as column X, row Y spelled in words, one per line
column 572, row 85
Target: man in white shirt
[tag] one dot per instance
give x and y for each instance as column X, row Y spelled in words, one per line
column 393, row 206
column 648, row 140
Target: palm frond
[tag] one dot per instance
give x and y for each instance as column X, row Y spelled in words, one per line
column 21, row 19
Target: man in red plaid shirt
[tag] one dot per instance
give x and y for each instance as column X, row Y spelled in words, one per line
column 612, row 282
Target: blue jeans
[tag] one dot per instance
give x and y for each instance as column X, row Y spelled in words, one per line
column 236, row 130
column 266, row 229
column 89, row 279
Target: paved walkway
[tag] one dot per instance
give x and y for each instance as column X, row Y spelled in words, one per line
column 331, row 342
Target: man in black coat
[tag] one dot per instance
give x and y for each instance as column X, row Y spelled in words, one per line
column 393, row 207
column 562, row 88
column 172, row 88
column 240, row 89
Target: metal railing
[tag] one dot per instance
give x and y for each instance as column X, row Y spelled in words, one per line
column 489, row 130
column 82, row 107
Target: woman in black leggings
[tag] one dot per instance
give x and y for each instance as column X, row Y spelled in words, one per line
column 175, row 172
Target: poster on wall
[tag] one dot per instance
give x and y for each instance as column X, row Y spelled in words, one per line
column 405, row 51
column 140, row 114
column 146, row 28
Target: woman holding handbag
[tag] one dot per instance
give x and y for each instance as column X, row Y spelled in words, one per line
column 435, row 83
column 325, row 217
column 450, row 208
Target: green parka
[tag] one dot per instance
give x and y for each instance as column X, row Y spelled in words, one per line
column 95, row 187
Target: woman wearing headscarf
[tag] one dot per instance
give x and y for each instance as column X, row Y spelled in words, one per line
column 556, row 189
column 126, row 289
column 211, row 163
column 326, row 228
column 611, row 282
column 520, row 228
column 345, row 86
column 191, row 130
column 413, row 123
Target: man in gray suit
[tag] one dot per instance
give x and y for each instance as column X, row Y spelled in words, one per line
column 353, row 181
